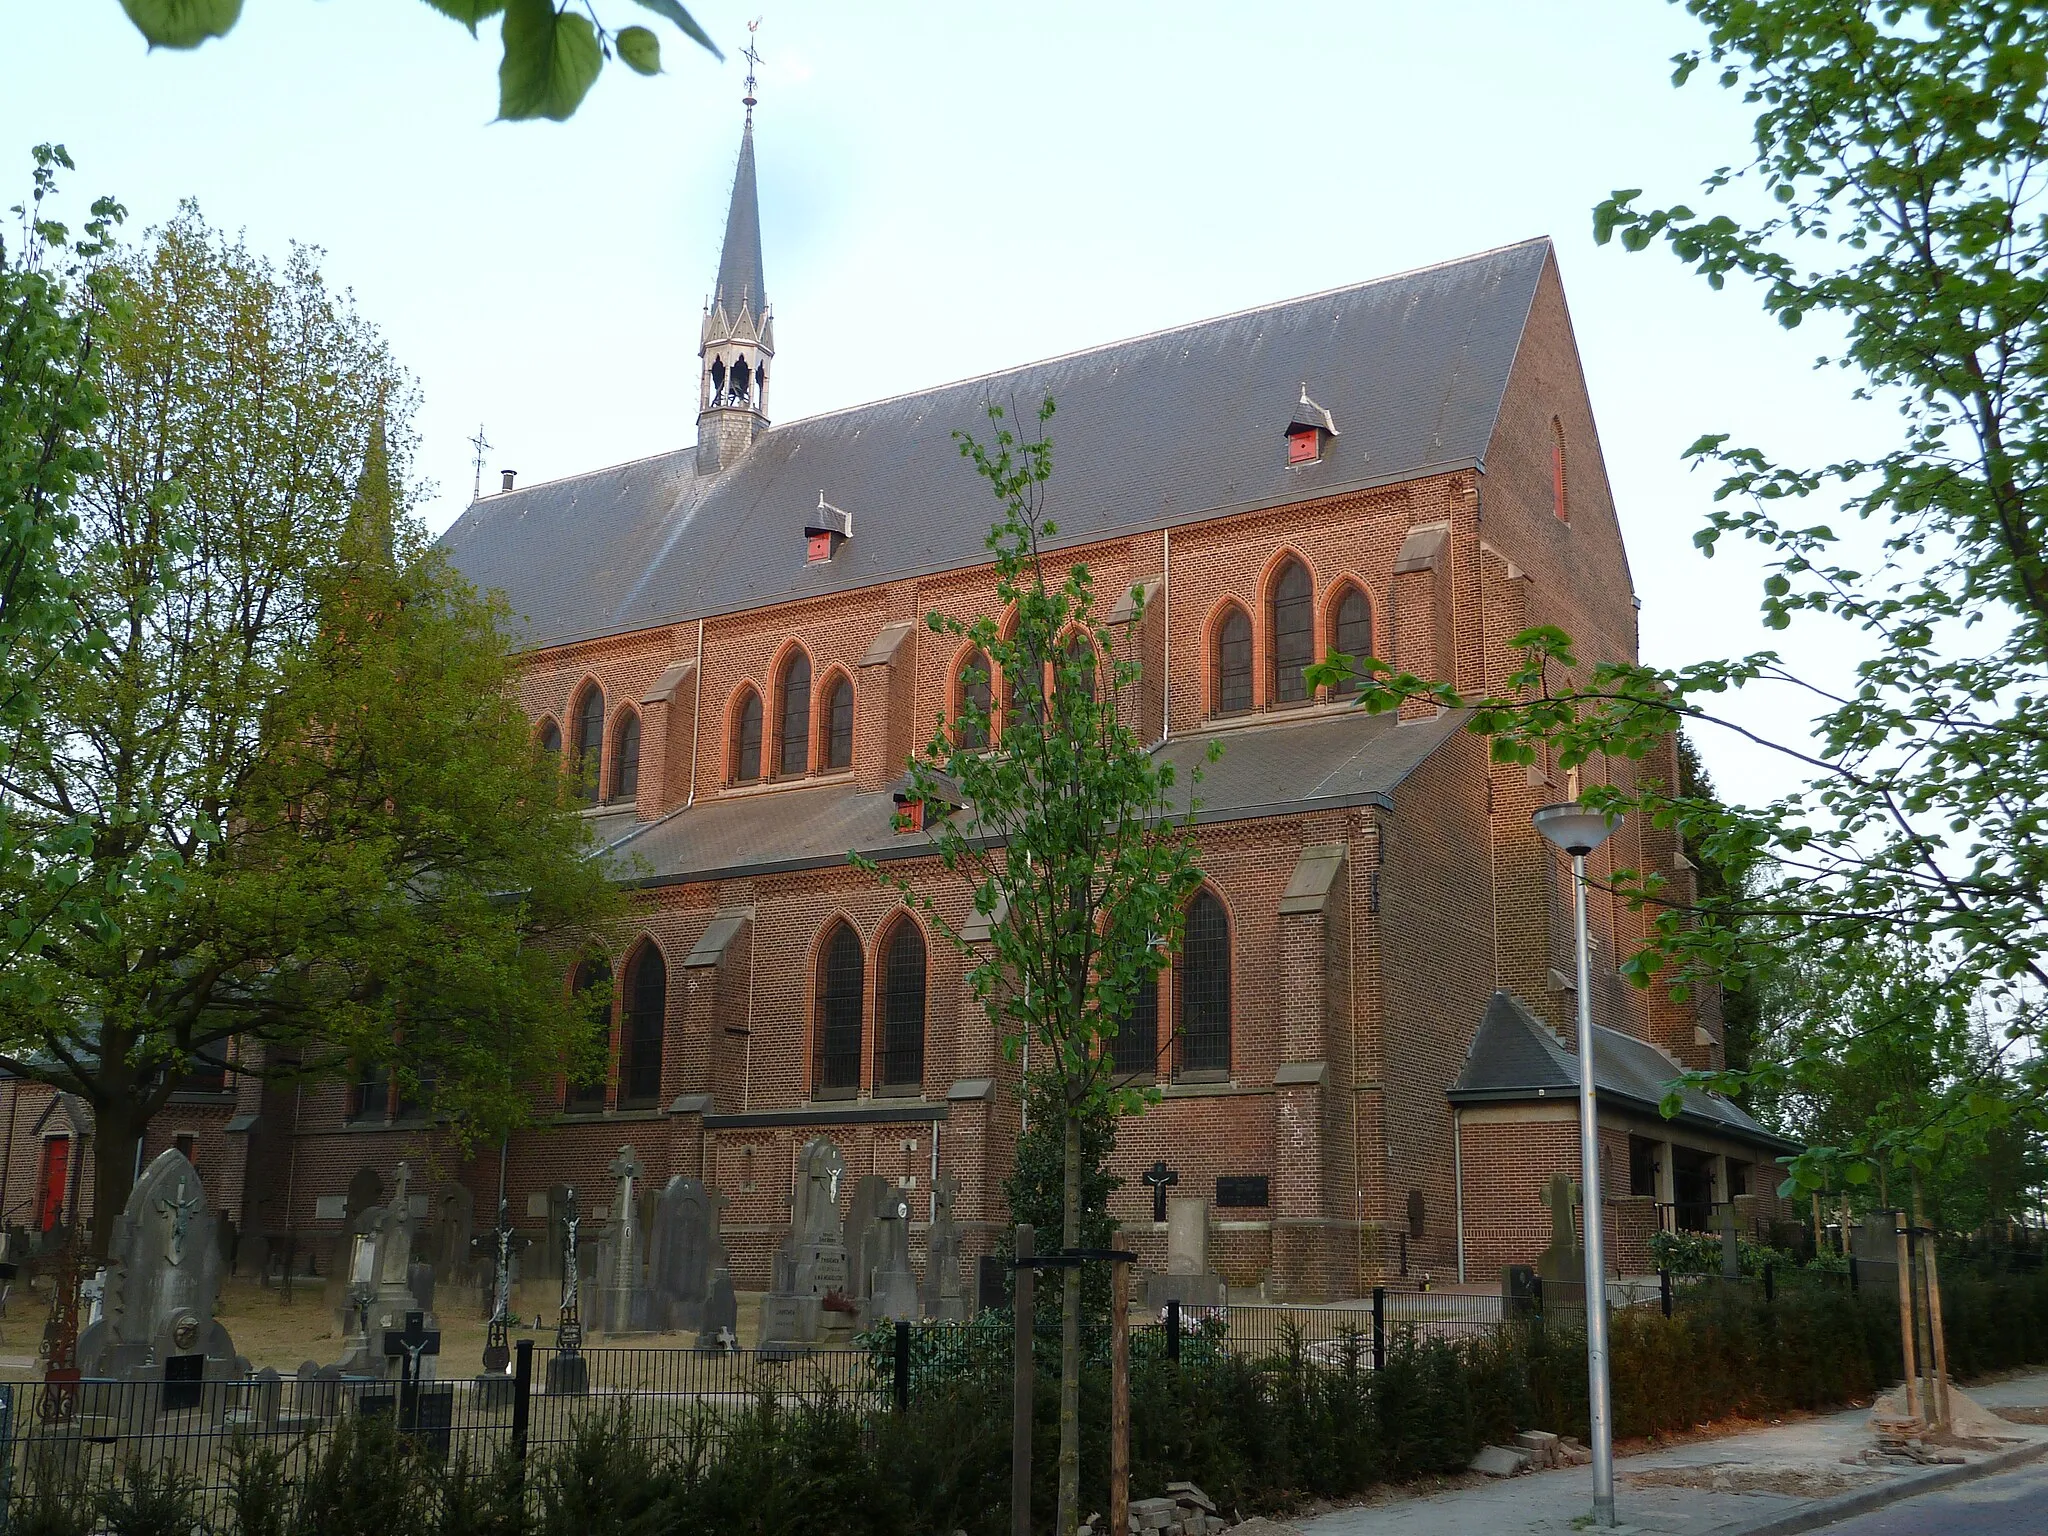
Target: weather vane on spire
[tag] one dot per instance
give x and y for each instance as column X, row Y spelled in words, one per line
column 753, row 57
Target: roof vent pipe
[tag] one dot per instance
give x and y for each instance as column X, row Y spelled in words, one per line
column 510, row 475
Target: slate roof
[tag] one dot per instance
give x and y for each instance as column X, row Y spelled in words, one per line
column 740, row 281
column 1514, row 1057
column 1323, row 762
column 1170, row 428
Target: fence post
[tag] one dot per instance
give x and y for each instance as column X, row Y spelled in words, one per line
column 1173, row 1329
column 1023, row 1292
column 522, row 1402
column 1855, row 1280
column 1770, row 1281
column 1664, row 1289
column 902, row 1366
column 1379, row 1327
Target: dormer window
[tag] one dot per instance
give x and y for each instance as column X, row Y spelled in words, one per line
column 1309, row 430
column 827, row 528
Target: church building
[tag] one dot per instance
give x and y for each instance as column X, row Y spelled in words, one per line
column 1363, row 1050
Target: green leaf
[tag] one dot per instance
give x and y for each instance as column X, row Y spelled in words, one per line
column 551, row 61
column 682, row 18
column 182, row 23
column 641, row 50
column 468, row 12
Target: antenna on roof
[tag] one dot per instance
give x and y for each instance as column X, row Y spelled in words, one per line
column 482, row 445
column 753, row 58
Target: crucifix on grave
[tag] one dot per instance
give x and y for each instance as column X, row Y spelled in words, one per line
column 1161, row 1178
column 409, row 1344
column 568, row 1371
column 177, row 1210
column 504, row 1242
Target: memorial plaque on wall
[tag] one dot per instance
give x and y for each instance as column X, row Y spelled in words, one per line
column 330, row 1208
column 1241, row 1190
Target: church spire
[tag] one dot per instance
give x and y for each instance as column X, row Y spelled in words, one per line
column 371, row 531
column 738, row 337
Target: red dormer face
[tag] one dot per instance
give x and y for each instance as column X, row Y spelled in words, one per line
column 1302, row 446
column 820, row 548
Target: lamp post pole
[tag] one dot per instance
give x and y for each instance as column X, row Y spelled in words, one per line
column 1578, row 831
column 1597, row 1397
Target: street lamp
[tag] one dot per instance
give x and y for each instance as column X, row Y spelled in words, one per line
column 1578, row 830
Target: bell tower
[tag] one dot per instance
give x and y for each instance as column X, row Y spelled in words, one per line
column 738, row 339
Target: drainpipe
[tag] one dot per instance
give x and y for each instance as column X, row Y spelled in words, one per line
column 1166, row 617
column 1458, row 1181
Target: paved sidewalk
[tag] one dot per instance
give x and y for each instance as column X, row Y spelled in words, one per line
column 1783, row 1478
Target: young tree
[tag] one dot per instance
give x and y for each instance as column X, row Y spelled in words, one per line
column 1069, row 835
column 552, row 54
column 1901, row 151
column 290, row 773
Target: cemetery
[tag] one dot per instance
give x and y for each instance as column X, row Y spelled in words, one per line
column 637, row 1338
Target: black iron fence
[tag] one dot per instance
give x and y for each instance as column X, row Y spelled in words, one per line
column 82, row 1437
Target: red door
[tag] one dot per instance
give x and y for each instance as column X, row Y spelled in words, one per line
column 56, row 1169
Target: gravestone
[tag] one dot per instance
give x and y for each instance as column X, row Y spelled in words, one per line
column 555, row 1208
column 941, row 1296
column 688, row 1271
column 383, row 1281
column 1562, row 1266
column 1188, row 1278
column 622, row 1299
column 452, row 1251
column 156, row 1321
column 871, row 1193
column 807, row 1294
column 892, row 1288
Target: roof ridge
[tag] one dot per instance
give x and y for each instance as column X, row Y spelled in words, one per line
column 1167, row 330
column 582, row 474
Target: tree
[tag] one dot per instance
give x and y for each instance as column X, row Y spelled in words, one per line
column 1066, row 830
column 552, row 54
column 290, row 774
column 1899, row 151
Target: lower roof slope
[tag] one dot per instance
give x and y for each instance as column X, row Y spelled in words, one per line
column 1514, row 1057
column 1315, row 762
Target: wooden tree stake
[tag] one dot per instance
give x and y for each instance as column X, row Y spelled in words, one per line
column 1119, row 1396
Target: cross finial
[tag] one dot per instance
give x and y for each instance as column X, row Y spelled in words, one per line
column 482, row 445
column 753, row 58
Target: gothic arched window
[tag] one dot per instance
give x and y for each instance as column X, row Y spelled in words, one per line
column 835, row 1067
column 973, row 702
column 1078, row 663
column 1205, row 987
column 793, row 740
column 589, row 742
column 839, row 723
column 746, row 739
column 547, row 742
column 585, row 1092
column 1023, row 694
column 1293, row 606
column 902, row 1058
column 645, row 1022
column 1351, row 632
column 1233, row 682
column 1135, row 1051
column 626, row 756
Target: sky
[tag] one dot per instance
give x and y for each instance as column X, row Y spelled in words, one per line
column 949, row 189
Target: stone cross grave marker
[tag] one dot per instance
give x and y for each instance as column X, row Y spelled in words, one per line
column 1562, row 1265
column 892, row 1288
